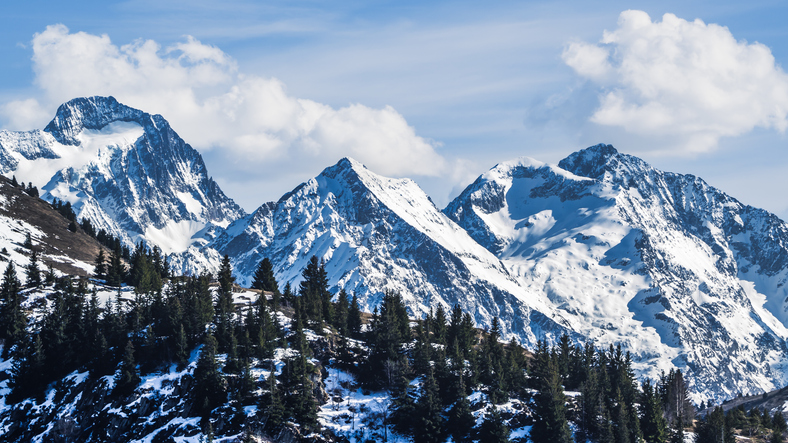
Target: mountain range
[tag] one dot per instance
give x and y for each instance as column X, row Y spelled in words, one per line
column 601, row 246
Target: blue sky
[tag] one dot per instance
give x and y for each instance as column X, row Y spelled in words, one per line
column 437, row 91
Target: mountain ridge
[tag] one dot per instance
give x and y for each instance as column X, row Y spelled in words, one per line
column 375, row 237
column 601, row 245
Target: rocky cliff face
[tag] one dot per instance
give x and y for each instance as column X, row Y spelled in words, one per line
column 680, row 272
column 125, row 170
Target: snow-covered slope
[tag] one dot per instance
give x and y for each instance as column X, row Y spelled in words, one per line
column 377, row 234
column 678, row 272
column 125, row 170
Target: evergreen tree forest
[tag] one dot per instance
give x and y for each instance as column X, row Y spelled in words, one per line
column 261, row 368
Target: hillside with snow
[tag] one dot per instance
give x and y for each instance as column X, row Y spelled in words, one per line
column 28, row 223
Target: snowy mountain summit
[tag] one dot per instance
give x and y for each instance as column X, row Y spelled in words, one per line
column 378, row 234
column 678, row 272
column 126, row 171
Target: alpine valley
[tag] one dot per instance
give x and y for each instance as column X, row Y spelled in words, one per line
column 601, row 246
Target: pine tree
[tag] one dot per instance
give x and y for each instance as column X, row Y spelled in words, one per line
column 677, row 434
column 588, row 407
column 385, row 339
column 202, row 304
column 245, row 383
column 778, row 423
column 314, row 292
column 233, row 364
column 299, row 399
column 550, row 425
column 209, row 389
column 267, row 332
column 453, row 332
column 181, row 347
column 128, row 377
column 341, row 313
column 116, row 273
column 33, row 272
column 264, row 279
column 429, row 424
column 100, row 269
column 28, row 374
column 652, row 422
column 621, row 423
column 422, row 350
column 439, row 328
column 87, row 227
column 287, row 294
column 460, row 421
column 514, row 369
column 715, row 428
column 224, row 304
column 354, row 318
column 271, row 404
column 13, row 321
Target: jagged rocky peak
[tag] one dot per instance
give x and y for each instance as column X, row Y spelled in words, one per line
column 348, row 170
column 83, row 113
column 125, row 170
column 590, row 162
column 604, row 162
column 354, row 172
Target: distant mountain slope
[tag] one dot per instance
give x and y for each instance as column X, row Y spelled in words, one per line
column 125, row 170
column 678, row 271
column 379, row 234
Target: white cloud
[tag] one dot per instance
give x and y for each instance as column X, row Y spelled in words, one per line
column 689, row 81
column 200, row 91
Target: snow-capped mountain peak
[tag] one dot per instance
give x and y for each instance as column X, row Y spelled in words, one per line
column 94, row 113
column 125, row 170
column 380, row 234
column 678, row 272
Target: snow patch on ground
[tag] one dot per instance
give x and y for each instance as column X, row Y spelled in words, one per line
column 175, row 236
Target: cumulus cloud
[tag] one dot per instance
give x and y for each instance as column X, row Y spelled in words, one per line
column 687, row 80
column 199, row 89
